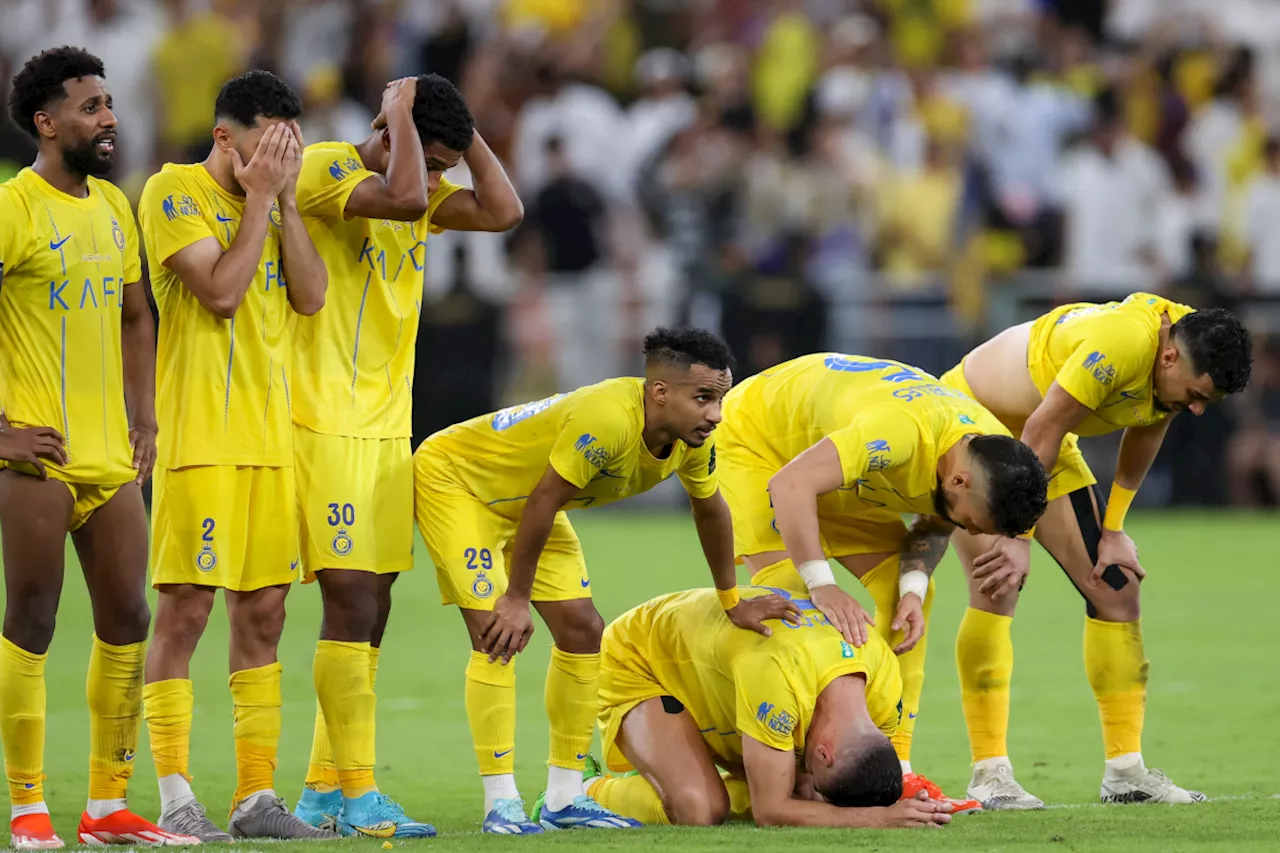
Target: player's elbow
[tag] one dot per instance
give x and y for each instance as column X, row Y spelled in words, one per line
column 223, row 305
column 769, row 814
column 308, row 304
column 410, row 206
column 511, row 215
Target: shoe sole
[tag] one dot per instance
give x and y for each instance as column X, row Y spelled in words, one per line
column 38, row 844
column 150, row 839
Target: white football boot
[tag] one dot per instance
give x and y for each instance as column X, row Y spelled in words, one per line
column 994, row 786
column 1128, row 780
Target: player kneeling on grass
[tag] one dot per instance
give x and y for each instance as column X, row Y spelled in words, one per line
column 369, row 208
column 798, row 723
column 1084, row 369
column 821, row 456
column 78, row 366
column 490, row 502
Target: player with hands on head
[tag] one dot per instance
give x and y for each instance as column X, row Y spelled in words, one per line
column 820, row 457
column 232, row 267
column 1084, row 369
column 370, row 208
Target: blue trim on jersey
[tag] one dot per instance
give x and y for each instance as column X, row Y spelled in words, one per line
column 231, row 354
column 288, row 398
column 66, row 427
column 102, row 341
column 355, row 371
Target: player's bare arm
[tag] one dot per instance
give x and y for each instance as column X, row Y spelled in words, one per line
column 715, row 531
column 221, row 279
column 492, row 206
column 771, row 778
column 1058, row 414
column 511, row 623
column 138, row 351
column 401, row 195
column 305, row 275
column 922, row 549
column 795, row 491
column 1138, row 449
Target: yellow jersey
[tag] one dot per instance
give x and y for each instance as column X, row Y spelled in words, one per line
column 890, row 423
column 741, row 683
column 1104, row 356
column 222, row 386
column 64, row 265
column 593, row 437
column 353, row 361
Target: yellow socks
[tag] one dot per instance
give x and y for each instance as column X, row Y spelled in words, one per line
column 629, row 796
column 882, row 583
column 571, row 706
column 256, row 696
column 22, row 719
column 114, row 691
column 1117, row 668
column 322, row 772
column 984, row 658
column 345, row 693
column 490, row 698
column 167, row 706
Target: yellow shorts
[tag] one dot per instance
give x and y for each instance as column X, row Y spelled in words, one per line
column 224, row 526
column 626, row 680
column 847, row 526
column 1071, row 473
column 87, row 497
column 355, row 503
column 470, row 544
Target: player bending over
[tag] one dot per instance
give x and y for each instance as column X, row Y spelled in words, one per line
column 223, row 237
column 78, row 363
column 1084, row 369
column 682, row 692
column 819, row 458
column 369, row 209
column 490, row 502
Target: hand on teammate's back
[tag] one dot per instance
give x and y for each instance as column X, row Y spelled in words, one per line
column 750, row 613
column 30, row 445
column 1004, row 568
column 845, row 613
column 1116, row 549
column 510, row 626
column 267, row 171
column 909, row 618
column 398, row 93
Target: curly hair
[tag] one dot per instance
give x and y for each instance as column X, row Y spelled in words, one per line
column 687, row 346
column 869, row 774
column 39, row 83
column 1219, row 345
column 256, row 94
column 441, row 115
column 1017, row 485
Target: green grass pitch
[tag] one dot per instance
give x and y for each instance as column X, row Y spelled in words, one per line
column 1210, row 631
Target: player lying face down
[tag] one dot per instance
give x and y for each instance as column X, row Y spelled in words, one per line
column 790, row 729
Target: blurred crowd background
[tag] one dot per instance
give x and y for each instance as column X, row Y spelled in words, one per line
column 899, row 178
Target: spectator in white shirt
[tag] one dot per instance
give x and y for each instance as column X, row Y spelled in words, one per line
column 1262, row 223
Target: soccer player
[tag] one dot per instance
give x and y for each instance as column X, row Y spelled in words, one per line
column 77, row 440
column 820, row 457
column 369, row 208
column 230, row 262
column 799, row 722
column 1084, row 369
column 490, row 499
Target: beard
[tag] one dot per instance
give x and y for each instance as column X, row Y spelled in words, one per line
column 940, row 505
column 85, row 159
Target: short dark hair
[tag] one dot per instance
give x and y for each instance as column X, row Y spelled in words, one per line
column 686, row 346
column 868, row 777
column 441, row 114
column 1219, row 345
column 39, row 83
column 256, row 94
column 1017, row 485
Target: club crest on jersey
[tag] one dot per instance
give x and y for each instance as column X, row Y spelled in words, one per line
column 206, row 560
column 342, row 543
column 276, row 219
column 482, row 587
column 117, row 234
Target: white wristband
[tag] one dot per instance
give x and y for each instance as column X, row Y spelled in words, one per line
column 914, row 581
column 817, row 573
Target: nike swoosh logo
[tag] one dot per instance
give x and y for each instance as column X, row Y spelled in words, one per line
column 912, row 716
column 586, row 583
column 497, row 754
column 293, row 567
column 581, row 755
column 53, row 247
column 222, row 218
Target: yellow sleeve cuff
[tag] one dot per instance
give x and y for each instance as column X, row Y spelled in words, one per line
column 728, row 597
column 1118, row 507
column 1029, row 535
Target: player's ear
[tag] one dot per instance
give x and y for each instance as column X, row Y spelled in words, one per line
column 659, row 389
column 45, row 124
column 823, row 753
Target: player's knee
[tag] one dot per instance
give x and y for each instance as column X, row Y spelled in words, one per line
column 127, row 623
column 30, row 628
column 1122, row 605
column 180, row 624
column 581, row 631
column 350, row 619
column 697, row 806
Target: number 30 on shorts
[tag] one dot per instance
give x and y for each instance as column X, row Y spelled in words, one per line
column 344, row 514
